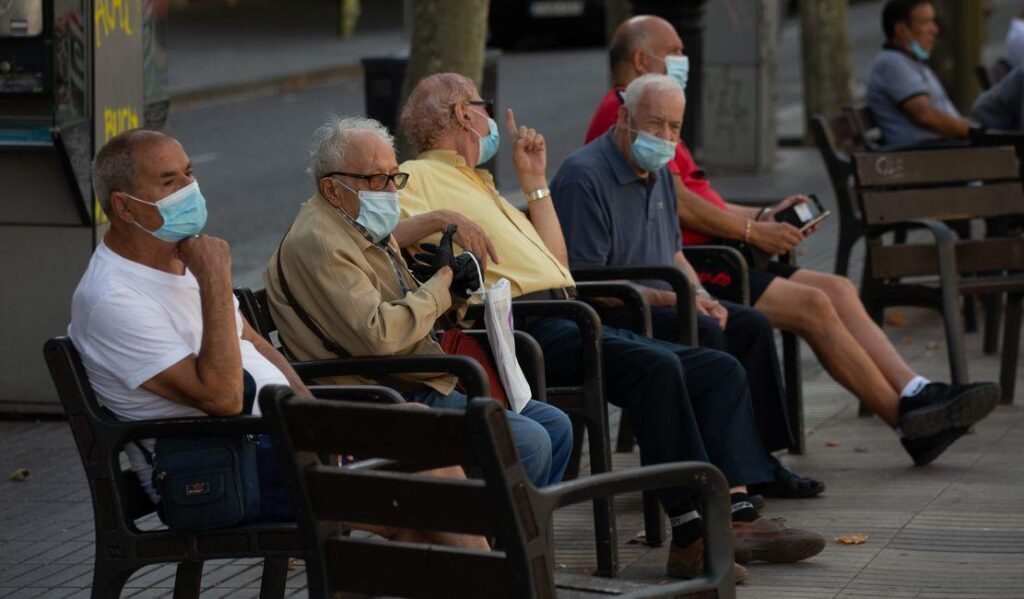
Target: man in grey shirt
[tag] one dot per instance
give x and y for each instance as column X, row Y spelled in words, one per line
column 905, row 97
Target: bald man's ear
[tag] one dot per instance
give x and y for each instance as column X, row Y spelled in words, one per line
column 639, row 61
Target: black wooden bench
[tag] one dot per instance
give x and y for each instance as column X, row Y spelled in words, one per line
column 501, row 504
column 119, row 500
column 922, row 190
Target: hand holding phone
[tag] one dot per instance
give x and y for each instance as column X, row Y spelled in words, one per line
column 805, row 215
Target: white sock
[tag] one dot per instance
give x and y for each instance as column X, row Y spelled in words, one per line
column 914, row 386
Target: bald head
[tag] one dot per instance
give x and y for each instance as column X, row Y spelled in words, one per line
column 639, row 47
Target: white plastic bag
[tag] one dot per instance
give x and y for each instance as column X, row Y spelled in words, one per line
column 498, row 323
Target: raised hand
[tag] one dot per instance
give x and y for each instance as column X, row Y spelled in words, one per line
column 530, row 155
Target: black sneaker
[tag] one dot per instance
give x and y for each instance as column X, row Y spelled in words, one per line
column 924, row 451
column 940, row 407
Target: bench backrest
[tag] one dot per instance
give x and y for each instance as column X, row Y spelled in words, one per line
column 501, row 504
column 838, row 139
column 868, row 134
column 118, row 499
column 941, row 185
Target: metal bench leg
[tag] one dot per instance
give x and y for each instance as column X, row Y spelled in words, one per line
column 654, row 520
column 604, row 509
column 993, row 314
column 794, row 390
column 1011, row 346
column 954, row 338
column 624, row 443
column 188, row 580
column 572, row 469
column 275, row 576
column 108, row 579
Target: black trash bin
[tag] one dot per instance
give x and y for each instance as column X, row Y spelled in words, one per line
column 383, row 77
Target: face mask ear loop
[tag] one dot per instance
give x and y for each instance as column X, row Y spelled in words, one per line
column 480, row 291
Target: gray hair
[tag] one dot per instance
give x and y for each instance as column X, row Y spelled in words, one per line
column 115, row 167
column 331, row 142
column 650, row 83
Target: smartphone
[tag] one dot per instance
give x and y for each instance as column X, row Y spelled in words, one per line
column 804, row 216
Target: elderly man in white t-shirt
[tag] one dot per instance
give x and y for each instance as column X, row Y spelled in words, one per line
column 154, row 317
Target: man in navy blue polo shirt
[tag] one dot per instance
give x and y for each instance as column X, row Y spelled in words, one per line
column 616, row 203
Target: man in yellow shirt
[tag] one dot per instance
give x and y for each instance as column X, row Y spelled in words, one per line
column 685, row 403
column 338, row 285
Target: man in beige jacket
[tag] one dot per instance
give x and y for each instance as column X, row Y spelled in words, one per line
column 340, row 265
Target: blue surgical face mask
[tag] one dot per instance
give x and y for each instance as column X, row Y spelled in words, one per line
column 378, row 212
column 676, row 67
column 488, row 143
column 651, row 152
column 918, row 51
column 184, row 214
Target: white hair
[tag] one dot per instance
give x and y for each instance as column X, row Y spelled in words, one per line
column 650, row 83
column 331, row 140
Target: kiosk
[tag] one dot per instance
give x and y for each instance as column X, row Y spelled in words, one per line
column 73, row 73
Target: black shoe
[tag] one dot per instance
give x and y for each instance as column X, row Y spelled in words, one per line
column 940, row 407
column 924, row 451
column 788, row 483
column 757, row 501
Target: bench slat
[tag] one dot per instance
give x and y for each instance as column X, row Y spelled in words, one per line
column 997, row 199
column 951, row 165
column 404, row 500
column 431, row 437
column 409, row 570
column 911, row 260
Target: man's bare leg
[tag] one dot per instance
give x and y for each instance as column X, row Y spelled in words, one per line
column 809, row 313
column 867, row 333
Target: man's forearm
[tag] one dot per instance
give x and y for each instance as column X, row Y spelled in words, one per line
column 545, row 221
column 409, row 231
column 219, row 364
column 659, row 297
column 942, row 123
column 697, row 214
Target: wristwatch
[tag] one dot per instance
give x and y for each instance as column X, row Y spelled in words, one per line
column 538, row 194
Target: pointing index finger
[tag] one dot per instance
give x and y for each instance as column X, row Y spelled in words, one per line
column 510, row 123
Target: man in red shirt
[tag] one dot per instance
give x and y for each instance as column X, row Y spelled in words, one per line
column 822, row 308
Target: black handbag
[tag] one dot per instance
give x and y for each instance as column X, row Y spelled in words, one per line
column 208, row 482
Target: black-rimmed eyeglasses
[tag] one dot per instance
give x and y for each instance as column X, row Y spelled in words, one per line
column 379, row 181
column 487, row 104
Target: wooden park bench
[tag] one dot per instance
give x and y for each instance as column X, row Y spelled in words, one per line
column 500, row 504
column 922, row 190
column 119, row 501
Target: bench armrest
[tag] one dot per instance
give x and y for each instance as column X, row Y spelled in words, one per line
column 686, row 307
column 722, row 258
column 630, row 294
column 469, row 371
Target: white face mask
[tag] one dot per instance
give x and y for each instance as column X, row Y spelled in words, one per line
column 378, row 212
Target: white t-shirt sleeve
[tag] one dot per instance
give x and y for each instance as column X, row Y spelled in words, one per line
column 133, row 338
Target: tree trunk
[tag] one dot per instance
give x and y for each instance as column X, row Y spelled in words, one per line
column 448, row 37
column 826, row 59
column 615, row 12
column 958, row 49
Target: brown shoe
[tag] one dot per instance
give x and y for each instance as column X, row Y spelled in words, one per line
column 688, row 562
column 771, row 541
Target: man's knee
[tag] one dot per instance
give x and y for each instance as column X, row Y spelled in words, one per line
column 709, row 334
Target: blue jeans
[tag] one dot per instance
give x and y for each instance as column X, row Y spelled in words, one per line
column 542, row 433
